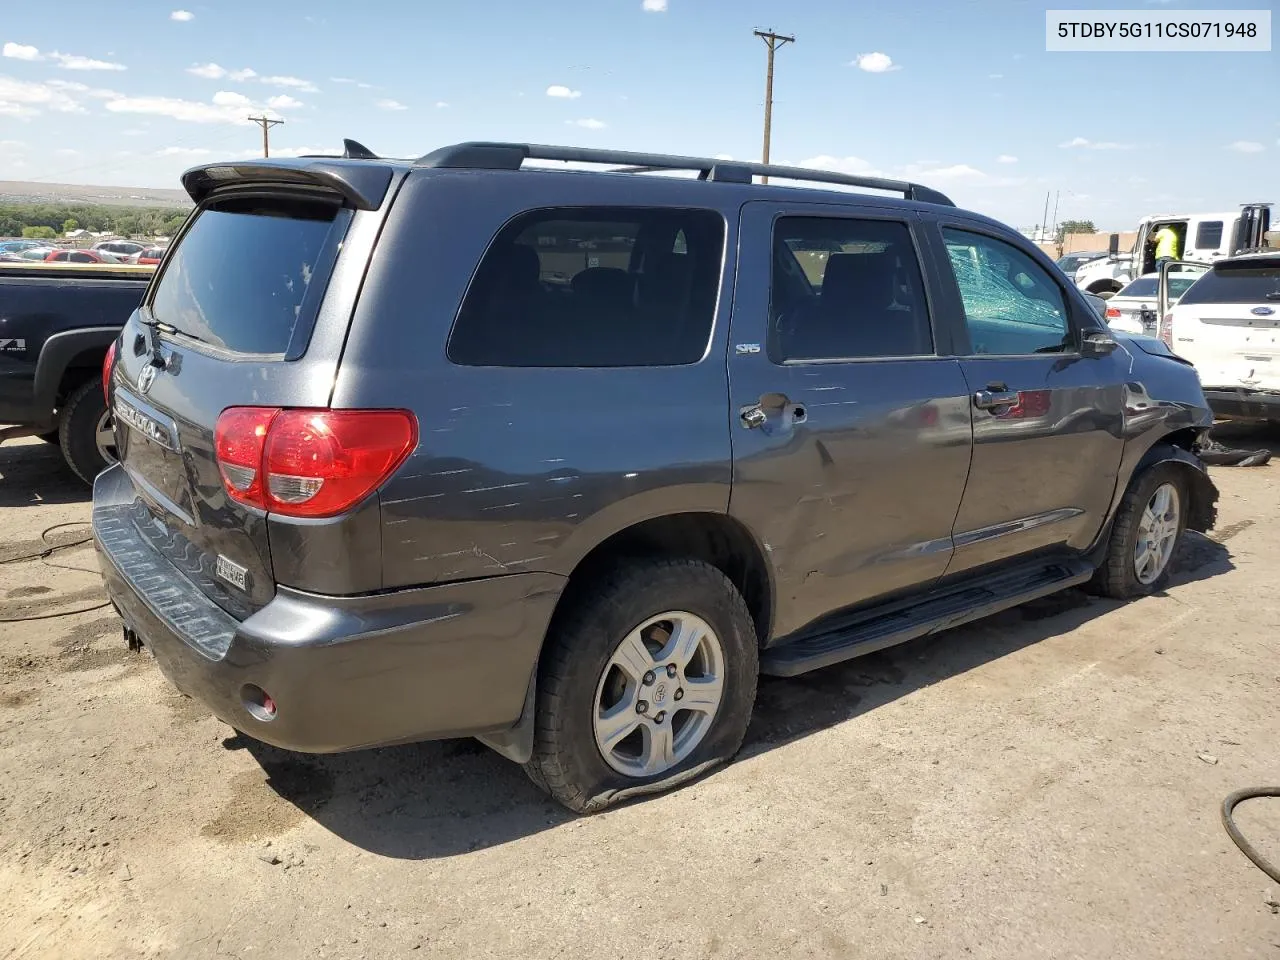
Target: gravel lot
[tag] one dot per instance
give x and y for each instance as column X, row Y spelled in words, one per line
column 1043, row 784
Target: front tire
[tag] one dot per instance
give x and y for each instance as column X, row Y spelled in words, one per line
column 1148, row 528
column 84, row 432
column 646, row 682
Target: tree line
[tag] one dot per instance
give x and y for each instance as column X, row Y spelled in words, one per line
column 49, row 220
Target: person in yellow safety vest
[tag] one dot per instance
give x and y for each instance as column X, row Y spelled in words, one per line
column 1166, row 245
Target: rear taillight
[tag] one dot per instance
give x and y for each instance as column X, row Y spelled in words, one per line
column 1166, row 330
column 310, row 463
column 108, row 363
column 1112, row 313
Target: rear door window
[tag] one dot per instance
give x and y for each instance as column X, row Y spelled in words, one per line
column 594, row 287
column 1237, row 282
column 248, row 274
column 846, row 289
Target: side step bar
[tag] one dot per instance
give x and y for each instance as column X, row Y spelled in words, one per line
column 947, row 608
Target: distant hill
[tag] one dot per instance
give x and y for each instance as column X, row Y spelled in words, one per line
column 20, row 191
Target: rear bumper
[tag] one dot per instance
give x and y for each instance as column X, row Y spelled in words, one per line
column 1243, row 404
column 344, row 672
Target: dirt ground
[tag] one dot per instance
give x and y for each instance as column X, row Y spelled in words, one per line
column 1043, row 784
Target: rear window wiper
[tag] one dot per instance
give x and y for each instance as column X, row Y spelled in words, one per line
column 168, row 328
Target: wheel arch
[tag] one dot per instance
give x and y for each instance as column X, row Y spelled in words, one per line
column 715, row 538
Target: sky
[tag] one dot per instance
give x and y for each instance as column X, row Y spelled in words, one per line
column 956, row 94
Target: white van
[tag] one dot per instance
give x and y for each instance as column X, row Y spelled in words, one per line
column 1202, row 238
column 1227, row 324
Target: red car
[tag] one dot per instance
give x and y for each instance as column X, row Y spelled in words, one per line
column 79, row 256
column 151, row 255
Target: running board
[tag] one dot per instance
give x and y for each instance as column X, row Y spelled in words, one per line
column 904, row 620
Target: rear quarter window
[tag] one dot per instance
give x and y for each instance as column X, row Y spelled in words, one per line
column 247, row 275
column 593, row 287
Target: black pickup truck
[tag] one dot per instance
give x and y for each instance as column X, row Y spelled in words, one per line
column 56, row 323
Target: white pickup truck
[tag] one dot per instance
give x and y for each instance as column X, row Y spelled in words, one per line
column 1227, row 324
column 1203, row 238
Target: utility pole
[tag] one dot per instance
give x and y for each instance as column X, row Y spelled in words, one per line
column 773, row 41
column 1056, row 195
column 1044, row 222
column 266, row 123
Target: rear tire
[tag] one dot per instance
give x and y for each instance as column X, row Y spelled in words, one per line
column 595, row 682
column 1143, row 530
column 81, row 432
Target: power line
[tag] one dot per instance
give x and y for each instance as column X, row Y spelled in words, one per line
column 266, row 123
column 773, row 41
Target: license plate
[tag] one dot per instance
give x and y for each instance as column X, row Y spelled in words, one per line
column 233, row 573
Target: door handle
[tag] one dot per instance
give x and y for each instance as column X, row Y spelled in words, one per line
column 994, row 399
column 753, row 416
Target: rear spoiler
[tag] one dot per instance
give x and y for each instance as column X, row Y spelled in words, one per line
column 361, row 184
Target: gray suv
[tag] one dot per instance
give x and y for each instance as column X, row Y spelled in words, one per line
column 563, row 459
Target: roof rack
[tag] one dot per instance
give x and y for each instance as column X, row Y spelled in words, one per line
column 479, row 155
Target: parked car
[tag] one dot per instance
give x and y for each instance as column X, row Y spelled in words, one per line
column 58, row 323
column 1133, row 309
column 17, row 246
column 1071, row 262
column 25, row 254
column 122, row 250
column 382, row 480
column 81, row 256
column 1227, row 323
column 149, row 256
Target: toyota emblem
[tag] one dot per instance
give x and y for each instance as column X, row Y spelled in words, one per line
column 146, row 378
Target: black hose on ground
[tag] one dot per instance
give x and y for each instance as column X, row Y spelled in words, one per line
column 1228, row 805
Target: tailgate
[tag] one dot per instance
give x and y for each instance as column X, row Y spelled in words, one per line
column 1228, row 325
column 227, row 323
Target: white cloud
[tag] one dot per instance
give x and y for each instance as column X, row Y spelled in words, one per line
column 17, row 110
column 389, row 105
column 298, row 151
column 1094, row 144
column 563, row 92
column 654, row 6
column 1006, row 158
column 283, row 102
column 71, row 61
column 98, row 93
column 182, row 16
column 1246, row 146
column 875, row 63
column 855, row 166
column 723, row 156
column 228, row 98
column 293, row 83
column 183, row 152
column 951, row 173
column 207, row 71
column 242, row 75
column 67, row 152
column 588, row 123
column 20, row 51
column 341, row 80
column 442, row 105
column 226, row 107
column 19, row 98
column 995, row 76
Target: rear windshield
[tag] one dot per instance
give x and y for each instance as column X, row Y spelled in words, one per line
column 1147, row 287
column 1234, row 283
column 240, row 277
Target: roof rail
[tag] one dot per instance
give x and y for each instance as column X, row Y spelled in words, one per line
column 479, row 155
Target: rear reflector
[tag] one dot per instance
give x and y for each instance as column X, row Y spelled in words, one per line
column 310, row 463
column 1166, row 330
column 1112, row 313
